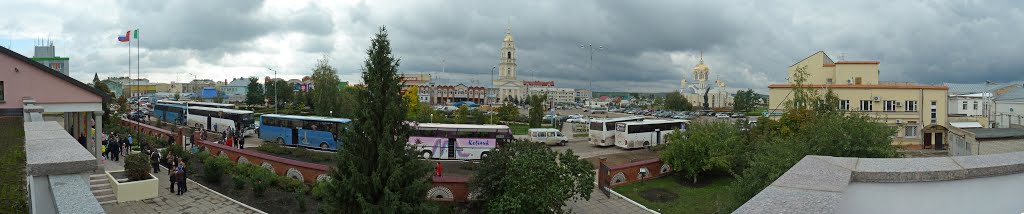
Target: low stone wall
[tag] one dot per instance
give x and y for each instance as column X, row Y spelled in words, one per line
column 628, row 173
column 816, row 183
column 152, row 130
column 307, row 172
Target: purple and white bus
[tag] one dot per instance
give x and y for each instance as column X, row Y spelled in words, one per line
column 457, row 141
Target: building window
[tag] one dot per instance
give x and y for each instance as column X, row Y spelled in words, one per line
column 828, row 81
column 975, row 105
column 865, row 105
column 889, row 105
column 965, row 106
column 857, row 80
column 844, row 105
column 910, row 131
column 1, row 91
column 911, row 105
column 934, row 114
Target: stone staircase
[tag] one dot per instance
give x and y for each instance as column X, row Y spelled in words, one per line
column 101, row 188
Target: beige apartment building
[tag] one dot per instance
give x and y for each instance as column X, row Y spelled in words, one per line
column 918, row 112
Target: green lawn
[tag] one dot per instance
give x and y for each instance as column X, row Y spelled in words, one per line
column 522, row 129
column 706, row 199
column 12, row 164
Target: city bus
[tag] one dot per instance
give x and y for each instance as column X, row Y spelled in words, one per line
column 602, row 131
column 640, row 134
column 457, row 141
column 219, row 119
column 303, row 131
column 170, row 112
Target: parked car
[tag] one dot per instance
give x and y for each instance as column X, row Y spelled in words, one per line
column 738, row 115
column 722, row 115
column 547, row 136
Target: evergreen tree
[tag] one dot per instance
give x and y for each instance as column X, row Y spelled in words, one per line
column 537, row 110
column 254, row 92
column 102, row 86
column 324, row 95
column 376, row 172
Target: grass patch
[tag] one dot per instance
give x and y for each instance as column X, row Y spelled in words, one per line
column 710, row 198
column 296, row 153
column 12, row 164
column 519, row 129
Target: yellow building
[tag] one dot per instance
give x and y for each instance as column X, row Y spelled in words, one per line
column 917, row 111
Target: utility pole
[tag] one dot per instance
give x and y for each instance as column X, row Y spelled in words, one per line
column 590, row 49
column 275, row 88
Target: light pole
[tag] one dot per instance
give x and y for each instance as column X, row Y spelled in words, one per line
column 492, row 86
column 275, row 89
column 590, row 49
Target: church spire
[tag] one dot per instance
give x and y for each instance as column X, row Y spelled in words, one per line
column 701, row 56
column 508, row 29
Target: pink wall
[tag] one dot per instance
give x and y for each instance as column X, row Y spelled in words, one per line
column 32, row 82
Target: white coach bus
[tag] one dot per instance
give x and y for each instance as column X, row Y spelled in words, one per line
column 640, row 134
column 219, row 119
column 602, row 131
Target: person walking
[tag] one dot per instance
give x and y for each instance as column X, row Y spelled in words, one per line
column 114, row 150
column 182, row 175
column 241, row 143
column 81, row 140
column 172, row 170
column 229, row 141
column 154, row 158
column 129, row 145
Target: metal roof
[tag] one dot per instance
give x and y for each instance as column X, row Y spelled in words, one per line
column 959, row 88
column 992, row 133
column 225, row 110
column 316, row 118
column 1016, row 94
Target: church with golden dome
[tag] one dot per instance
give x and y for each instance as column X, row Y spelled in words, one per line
column 717, row 96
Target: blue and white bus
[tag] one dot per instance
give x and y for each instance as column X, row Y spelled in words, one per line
column 170, row 112
column 302, row 131
column 211, row 105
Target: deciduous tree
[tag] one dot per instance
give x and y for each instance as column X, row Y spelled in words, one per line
column 461, row 114
column 254, row 92
column 325, row 93
column 525, row 177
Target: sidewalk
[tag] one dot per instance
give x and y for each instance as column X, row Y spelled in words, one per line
column 196, row 200
column 599, row 203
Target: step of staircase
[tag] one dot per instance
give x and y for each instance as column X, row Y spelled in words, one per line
column 101, row 189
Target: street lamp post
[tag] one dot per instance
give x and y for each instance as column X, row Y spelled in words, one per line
column 590, row 49
column 275, row 89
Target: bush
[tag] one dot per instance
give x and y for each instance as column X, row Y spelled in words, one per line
column 214, row 168
column 319, row 190
column 203, row 156
column 288, row 184
column 137, row 166
column 259, row 187
column 239, row 181
column 301, row 200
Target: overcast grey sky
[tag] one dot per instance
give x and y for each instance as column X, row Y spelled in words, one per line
column 649, row 45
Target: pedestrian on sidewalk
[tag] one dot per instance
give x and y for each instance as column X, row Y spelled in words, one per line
column 182, row 175
column 230, row 142
column 81, row 140
column 172, row 170
column 114, row 150
column 154, row 158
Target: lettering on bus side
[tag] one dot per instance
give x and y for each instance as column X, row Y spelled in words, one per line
column 478, row 142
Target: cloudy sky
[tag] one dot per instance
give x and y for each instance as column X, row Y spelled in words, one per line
column 648, row 45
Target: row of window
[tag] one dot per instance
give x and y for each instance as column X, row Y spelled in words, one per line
column 309, row 125
column 888, row 105
column 908, row 131
column 965, row 105
column 458, row 134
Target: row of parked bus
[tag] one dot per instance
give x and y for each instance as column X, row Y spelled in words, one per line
column 633, row 132
column 210, row 116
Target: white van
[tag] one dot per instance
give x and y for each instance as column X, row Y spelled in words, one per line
column 547, row 136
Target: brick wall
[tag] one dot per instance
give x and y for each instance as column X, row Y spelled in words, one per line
column 305, row 171
column 152, row 130
column 449, row 188
column 628, row 173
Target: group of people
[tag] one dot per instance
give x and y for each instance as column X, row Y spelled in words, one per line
column 177, row 173
column 232, row 137
column 115, row 147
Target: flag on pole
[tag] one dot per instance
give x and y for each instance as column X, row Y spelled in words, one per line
column 125, row 37
column 135, row 34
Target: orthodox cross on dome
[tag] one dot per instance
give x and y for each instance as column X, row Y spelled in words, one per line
column 508, row 29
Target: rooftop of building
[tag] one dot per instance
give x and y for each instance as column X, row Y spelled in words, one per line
column 1016, row 95
column 969, row 88
column 996, row 133
column 863, row 86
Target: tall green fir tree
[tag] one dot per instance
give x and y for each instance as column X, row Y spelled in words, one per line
column 375, row 171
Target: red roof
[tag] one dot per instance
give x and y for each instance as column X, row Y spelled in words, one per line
column 539, row 83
